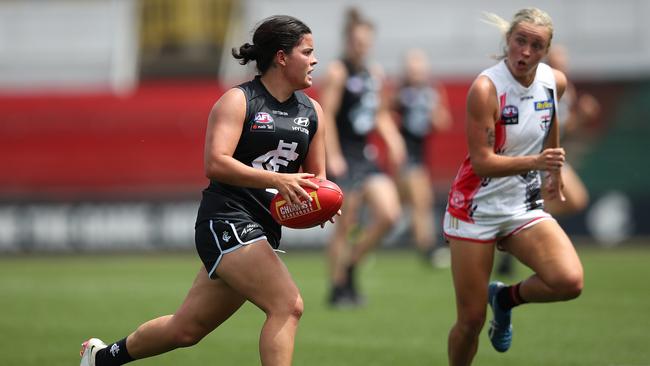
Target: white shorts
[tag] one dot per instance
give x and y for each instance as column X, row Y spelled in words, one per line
column 454, row 228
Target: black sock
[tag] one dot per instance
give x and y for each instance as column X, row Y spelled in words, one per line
column 349, row 273
column 113, row 355
column 509, row 297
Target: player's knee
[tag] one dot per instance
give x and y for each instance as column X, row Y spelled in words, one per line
column 471, row 323
column 569, row 286
column 389, row 217
column 573, row 286
column 292, row 308
column 187, row 337
column 297, row 309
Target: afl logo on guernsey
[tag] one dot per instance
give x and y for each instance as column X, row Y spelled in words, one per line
column 510, row 115
column 263, row 122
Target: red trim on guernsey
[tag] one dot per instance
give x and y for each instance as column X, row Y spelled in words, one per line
column 467, row 183
column 462, row 191
column 478, row 241
column 500, row 128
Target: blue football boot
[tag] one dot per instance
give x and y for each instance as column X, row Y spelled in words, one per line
column 500, row 331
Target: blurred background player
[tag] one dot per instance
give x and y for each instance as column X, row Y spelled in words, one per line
column 250, row 147
column 354, row 106
column 575, row 112
column 422, row 109
column 495, row 199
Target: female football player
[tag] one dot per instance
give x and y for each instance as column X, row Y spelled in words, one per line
column 495, row 200
column 251, row 152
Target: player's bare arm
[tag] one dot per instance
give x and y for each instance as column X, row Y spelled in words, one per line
column 330, row 97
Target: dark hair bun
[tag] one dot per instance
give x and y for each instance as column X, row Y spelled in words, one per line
column 247, row 52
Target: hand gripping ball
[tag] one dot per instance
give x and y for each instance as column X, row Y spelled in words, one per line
column 326, row 201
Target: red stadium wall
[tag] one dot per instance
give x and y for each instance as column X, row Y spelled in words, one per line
column 145, row 145
column 150, row 142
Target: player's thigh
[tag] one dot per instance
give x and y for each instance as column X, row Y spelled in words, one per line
column 382, row 197
column 471, row 265
column 208, row 303
column 547, row 250
column 256, row 272
column 350, row 209
column 419, row 187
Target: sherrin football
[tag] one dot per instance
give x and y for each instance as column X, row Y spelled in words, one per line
column 326, row 201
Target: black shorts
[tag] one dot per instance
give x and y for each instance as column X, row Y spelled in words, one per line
column 355, row 177
column 214, row 238
column 415, row 151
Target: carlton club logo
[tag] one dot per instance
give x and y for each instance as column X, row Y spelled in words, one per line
column 263, row 122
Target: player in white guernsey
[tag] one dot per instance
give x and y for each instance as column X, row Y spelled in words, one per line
column 574, row 112
column 495, row 200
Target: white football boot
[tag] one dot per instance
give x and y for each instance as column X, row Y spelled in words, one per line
column 88, row 351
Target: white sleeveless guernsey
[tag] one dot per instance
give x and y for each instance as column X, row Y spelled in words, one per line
column 524, row 123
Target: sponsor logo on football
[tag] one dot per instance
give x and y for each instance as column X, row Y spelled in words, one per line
column 301, row 121
column 287, row 211
column 510, row 115
column 542, row 105
column 263, row 122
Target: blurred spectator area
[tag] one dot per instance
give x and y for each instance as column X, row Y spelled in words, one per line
column 184, row 38
column 107, row 100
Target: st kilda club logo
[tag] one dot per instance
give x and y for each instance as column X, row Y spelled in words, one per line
column 263, row 122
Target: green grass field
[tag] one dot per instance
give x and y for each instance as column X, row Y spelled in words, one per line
column 51, row 303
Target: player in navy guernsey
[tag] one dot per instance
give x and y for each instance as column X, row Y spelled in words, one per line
column 495, row 200
column 421, row 107
column 259, row 136
column 352, row 100
column 276, row 138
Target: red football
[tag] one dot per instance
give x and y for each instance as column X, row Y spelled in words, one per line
column 326, row 201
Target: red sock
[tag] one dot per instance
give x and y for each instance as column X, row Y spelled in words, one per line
column 509, row 297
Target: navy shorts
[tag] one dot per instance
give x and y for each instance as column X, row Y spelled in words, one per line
column 214, row 238
column 355, row 177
